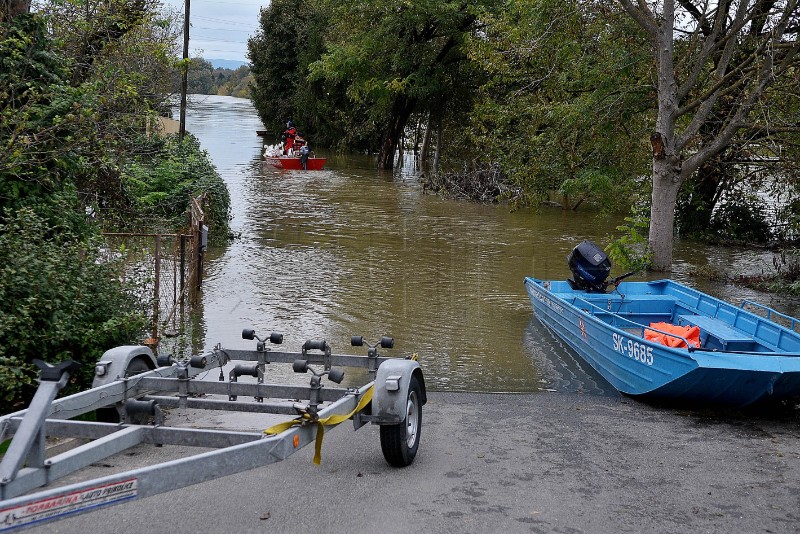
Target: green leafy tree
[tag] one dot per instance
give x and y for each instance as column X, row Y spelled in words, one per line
column 712, row 76
column 564, row 108
column 395, row 60
column 234, row 82
column 200, row 79
column 122, row 54
column 204, row 79
column 288, row 40
column 45, row 124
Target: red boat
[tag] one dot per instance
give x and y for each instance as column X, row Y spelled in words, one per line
column 295, row 163
column 300, row 157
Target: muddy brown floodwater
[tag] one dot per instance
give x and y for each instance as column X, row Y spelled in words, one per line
column 355, row 251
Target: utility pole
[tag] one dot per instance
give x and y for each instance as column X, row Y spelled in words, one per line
column 185, row 72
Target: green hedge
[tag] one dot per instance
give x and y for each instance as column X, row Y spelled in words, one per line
column 163, row 180
column 58, row 300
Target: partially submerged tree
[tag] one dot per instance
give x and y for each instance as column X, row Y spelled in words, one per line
column 397, row 59
column 288, row 40
column 714, row 62
column 564, row 108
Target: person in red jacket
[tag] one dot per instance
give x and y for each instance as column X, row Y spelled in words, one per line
column 288, row 137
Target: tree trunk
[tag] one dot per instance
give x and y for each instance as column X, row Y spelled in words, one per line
column 401, row 111
column 666, row 183
column 438, row 152
column 11, row 8
column 426, row 141
column 666, row 158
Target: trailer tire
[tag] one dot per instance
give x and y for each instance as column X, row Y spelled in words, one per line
column 400, row 442
column 111, row 414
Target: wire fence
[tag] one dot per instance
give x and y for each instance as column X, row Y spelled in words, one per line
column 167, row 271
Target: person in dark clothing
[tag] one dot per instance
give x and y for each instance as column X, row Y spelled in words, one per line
column 305, row 151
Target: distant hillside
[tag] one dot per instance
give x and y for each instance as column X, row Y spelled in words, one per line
column 206, row 79
column 226, row 63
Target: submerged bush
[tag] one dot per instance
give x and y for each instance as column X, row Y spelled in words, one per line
column 742, row 219
column 784, row 278
column 485, row 183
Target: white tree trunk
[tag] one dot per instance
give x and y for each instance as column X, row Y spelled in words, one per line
column 666, row 183
column 714, row 71
column 666, row 164
column 426, row 141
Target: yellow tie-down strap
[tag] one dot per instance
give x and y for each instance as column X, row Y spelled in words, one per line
column 331, row 420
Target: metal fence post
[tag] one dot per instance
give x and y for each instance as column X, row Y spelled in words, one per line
column 183, row 262
column 156, row 289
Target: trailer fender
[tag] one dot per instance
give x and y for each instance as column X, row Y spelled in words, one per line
column 391, row 390
column 115, row 362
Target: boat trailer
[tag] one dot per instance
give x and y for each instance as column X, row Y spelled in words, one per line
column 131, row 389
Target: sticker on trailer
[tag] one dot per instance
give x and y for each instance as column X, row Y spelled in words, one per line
column 69, row 503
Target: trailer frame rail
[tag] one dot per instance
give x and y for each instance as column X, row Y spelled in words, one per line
column 396, row 390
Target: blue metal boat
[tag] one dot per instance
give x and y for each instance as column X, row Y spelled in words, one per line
column 747, row 354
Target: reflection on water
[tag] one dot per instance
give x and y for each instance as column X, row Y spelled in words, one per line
column 354, row 251
column 560, row 368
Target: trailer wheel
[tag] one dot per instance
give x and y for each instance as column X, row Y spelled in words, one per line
column 111, row 414
column 400, row 442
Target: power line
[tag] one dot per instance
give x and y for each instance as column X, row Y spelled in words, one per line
column 219, row 29
column 223, row 21
column 206, row 40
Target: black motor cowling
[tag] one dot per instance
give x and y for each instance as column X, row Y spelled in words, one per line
column 590, row 267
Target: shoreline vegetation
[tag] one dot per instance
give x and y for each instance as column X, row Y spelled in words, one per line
column 206, row 79
column 78, row 158
column 503, row 103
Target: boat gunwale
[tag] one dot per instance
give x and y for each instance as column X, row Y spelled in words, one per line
column 685, row 351
column 276, row 161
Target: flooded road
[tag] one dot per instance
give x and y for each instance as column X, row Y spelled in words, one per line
column 355, row 251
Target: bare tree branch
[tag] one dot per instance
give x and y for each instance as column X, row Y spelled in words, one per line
column 642, row 15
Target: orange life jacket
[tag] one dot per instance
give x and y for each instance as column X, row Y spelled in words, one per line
column 690, row 333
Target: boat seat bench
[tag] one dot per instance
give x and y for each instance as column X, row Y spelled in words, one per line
column 728, row 337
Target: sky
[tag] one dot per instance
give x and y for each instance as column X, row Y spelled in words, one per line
column 219, row 30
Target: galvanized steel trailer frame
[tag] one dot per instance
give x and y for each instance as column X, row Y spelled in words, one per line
column 396, row 394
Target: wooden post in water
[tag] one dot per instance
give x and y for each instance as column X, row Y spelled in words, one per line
column 199, row 234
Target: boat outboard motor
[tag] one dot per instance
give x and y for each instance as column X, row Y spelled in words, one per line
column 304, row 152
column 590, row 267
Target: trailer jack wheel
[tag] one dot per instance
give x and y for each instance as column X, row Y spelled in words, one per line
column 400, row 442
